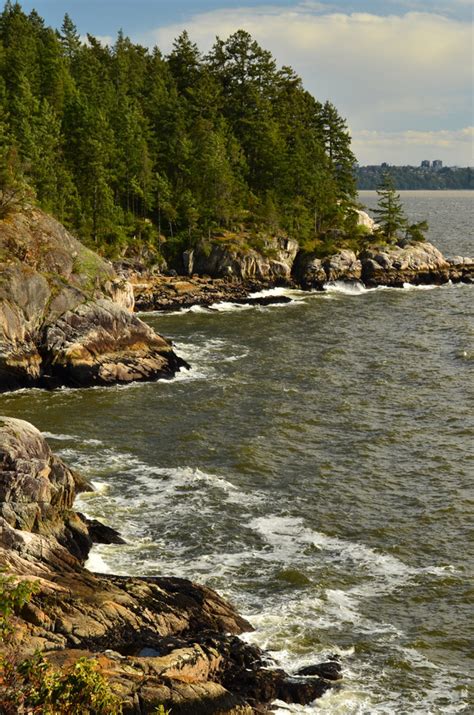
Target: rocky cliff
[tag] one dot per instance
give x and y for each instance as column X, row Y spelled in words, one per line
column 158, row 640
column 65, row 317
column 243, row 257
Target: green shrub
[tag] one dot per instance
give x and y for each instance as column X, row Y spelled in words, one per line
column 32, row 685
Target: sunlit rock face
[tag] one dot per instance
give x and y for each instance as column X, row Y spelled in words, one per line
column 65, row 318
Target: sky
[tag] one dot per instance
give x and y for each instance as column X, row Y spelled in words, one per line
column 399, row 71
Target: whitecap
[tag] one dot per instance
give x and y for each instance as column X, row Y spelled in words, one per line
column 96, row 563
column 59, row 437
column 347, row 288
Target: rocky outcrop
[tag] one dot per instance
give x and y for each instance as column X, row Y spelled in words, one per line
column 313, row 273
column 99, row 344
column 461, row 269
column 159, row 640
column 363, row 219
column 418, row 263
column 37, row 489
column 238, row 257
column 65, row 318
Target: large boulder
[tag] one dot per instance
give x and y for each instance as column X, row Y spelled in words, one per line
column 65, row 317
column 419, row 263
column 312, row 272
column 99, row 343
column 235, row 256
column 342, row 266
column 160, row 640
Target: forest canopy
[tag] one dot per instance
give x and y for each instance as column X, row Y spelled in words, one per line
column 130, row 148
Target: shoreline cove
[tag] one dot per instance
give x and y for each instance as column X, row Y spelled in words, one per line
column 312, row 466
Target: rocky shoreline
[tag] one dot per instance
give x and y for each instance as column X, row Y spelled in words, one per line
column 157, row 640
column 68, row 317
column 419, row 264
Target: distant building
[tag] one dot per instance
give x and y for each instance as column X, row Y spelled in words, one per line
column 384, row 165
column 425, row 164
column 437, row 164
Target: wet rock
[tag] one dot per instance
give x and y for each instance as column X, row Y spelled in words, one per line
column 100, row 533
column 461, row 269
column 329, row 670
column 263, row 300
column 158, row 640
column 165, row 293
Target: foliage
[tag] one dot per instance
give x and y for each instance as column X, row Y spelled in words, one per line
column 32, row 685
column 160, row 710
column 389, row 212
column 415, row 232
column 13, row 596
column 110, row 138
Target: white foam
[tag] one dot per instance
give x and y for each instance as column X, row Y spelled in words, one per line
column 353, row 288
column 96, row 563
column 59, row 437
column 228, row 306
column 294, row 293
column 412, row 286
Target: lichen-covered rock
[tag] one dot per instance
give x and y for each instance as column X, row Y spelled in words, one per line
column 419, row 263
column 235, row 257
column 363, row 219
column 65, row 318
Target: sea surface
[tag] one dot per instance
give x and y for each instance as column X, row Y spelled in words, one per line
column 315, row 466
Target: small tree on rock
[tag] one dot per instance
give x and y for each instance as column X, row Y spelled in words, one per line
column 389, row 212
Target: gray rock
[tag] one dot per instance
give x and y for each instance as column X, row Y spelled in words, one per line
column 342, row 266
column 65, row 318
column 233, row 258
column 418, row 263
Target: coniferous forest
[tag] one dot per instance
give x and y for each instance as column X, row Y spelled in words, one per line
column 141, row 153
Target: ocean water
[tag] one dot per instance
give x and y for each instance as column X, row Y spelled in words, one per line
column 315, row 466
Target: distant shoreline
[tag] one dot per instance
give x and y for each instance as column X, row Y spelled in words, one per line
column 416, row 178
column 458, row 191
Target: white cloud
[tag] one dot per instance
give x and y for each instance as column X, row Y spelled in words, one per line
column 391, row 73
column 453, row 147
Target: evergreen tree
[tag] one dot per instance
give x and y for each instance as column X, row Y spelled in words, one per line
column 338, row 147
column 120, row 142
column 389, row 212
column 70, row 40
